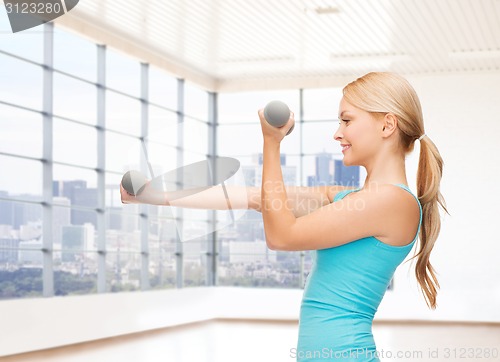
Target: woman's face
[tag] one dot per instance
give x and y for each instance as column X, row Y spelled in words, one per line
column 358, row 133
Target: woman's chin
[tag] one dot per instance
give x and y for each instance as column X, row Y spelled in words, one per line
column 347, row 161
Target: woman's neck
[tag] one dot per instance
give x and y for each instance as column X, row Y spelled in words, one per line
column 386, row 170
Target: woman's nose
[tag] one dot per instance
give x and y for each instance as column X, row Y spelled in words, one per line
column 337, row 136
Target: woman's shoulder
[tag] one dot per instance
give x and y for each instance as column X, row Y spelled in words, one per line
column 399, row 208
column 396, row 197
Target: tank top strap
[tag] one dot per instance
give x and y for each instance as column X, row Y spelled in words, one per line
column 341, row 194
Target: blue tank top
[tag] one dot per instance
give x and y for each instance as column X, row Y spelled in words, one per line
column 342, row 293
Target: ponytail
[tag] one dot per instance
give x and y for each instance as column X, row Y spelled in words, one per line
column 430, row 171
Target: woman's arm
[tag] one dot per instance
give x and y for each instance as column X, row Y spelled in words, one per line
column 365, row 212
column 300, row 200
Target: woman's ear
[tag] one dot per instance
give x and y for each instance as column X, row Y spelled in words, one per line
column 390, row 123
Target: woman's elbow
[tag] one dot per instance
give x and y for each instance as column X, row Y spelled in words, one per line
column 272, row 242
column 271, row 245
column 277, row 244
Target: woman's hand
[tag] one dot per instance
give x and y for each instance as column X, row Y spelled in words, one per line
column 149, row 195
column 274, row 134
column 127, row 198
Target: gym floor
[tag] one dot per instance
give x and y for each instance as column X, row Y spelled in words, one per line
column 242, row 341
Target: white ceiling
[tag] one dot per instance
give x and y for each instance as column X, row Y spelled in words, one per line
column 227, row 45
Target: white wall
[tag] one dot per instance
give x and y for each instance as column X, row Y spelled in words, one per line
column 462, row 116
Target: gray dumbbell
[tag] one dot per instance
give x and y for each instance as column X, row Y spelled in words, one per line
column 134, row 182
column 277, row 114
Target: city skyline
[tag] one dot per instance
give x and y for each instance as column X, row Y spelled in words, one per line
column 243, row 253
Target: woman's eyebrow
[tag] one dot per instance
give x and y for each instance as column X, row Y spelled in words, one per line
column 342, row 113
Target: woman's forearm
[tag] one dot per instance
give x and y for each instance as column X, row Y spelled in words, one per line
column 216, row 198
column 277, row 214
column 300, row 199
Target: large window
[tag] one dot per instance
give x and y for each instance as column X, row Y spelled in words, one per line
column 72, row 122
column 310, row 157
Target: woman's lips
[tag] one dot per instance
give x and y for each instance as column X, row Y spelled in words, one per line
column 345, row 147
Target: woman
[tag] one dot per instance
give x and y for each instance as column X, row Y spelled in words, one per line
column 360, row 235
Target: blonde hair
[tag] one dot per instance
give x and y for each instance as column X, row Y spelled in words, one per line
column 381, row 92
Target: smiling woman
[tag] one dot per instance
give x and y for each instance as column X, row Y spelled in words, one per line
column 377, row 225
column 380, row 120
